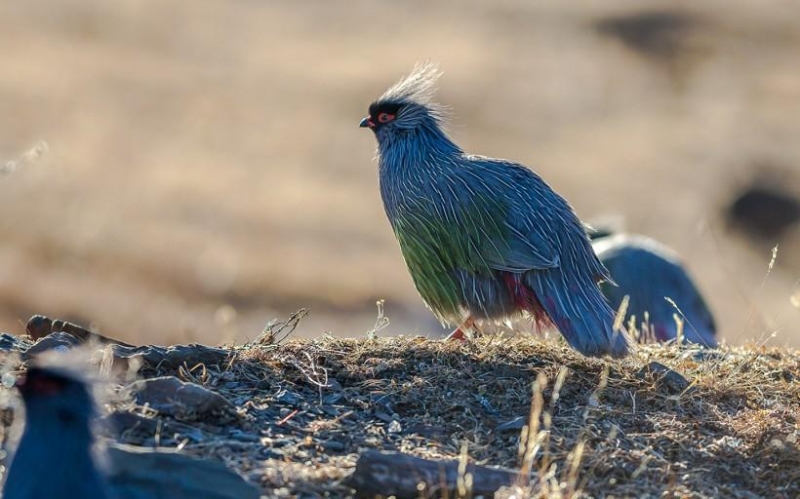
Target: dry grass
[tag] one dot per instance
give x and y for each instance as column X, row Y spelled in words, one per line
column 599, row 428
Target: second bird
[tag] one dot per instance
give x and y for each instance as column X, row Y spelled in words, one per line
column 484, row 239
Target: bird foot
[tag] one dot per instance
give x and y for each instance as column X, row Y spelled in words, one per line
column 457, row 335
column 463, row 333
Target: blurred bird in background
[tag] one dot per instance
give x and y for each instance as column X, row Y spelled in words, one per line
column 56, row 457
column 651, row 275
column 484, row 239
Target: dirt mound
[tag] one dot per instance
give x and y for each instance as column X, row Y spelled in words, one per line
column 668, row 420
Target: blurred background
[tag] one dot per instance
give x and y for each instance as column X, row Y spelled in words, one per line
column 205, row 171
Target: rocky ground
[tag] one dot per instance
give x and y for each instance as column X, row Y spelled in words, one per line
column 334, row 417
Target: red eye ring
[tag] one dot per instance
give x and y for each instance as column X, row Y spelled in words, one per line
column 385, row 117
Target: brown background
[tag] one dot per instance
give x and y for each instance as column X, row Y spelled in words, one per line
column 205, row 171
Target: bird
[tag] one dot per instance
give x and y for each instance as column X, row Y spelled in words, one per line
column 56, row 457
column 652, row 276
column 484, row 239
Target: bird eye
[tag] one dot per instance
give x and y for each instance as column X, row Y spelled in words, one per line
column 385, row 117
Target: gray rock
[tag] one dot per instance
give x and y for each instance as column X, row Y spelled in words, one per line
column 666, row 380
column 11, row 343
column 173, row 357
column 40, row 326
column 59, row 340
column 139, row 473
column 170, row 396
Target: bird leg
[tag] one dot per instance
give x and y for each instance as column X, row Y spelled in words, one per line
column 462, row 332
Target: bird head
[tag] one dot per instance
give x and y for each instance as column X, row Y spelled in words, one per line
column 406, row 105
column 381, row 114
column 56, row 397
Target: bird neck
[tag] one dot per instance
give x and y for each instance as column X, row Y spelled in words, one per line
column 424, row 144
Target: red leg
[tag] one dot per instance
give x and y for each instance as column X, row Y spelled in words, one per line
column 460, row 333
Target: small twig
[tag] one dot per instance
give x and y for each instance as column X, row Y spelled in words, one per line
column 288, row 417
column 276, row 331
column 381, row 322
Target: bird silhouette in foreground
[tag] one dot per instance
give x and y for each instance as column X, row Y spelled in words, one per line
column 56, row 458
column 484, row 239
column 649, row 273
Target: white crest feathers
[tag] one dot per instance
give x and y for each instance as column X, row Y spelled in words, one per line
column 418, row 87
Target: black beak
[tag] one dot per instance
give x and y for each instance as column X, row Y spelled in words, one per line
column 365, row 123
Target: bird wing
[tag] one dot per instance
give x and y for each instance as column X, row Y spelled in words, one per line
column 507, row 214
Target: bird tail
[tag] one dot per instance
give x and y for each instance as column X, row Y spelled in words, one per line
column 579, row 311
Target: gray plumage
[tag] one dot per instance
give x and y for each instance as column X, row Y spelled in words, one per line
column 649, row 273
column 483, row 238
